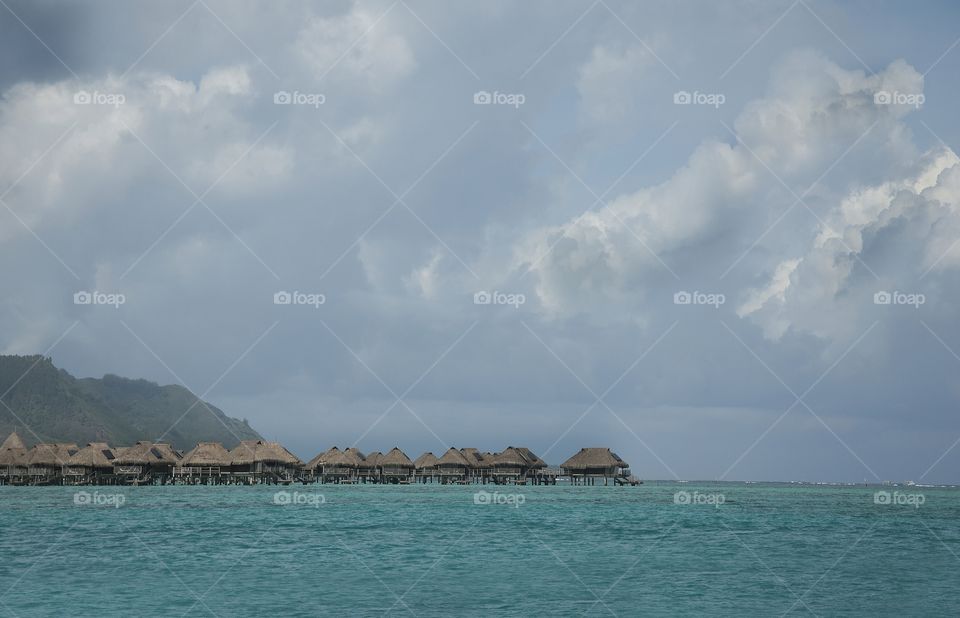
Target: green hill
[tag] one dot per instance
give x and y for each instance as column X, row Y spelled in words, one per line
column 58, row 407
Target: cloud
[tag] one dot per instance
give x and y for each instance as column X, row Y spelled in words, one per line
column 726, row 196
column 358, row 46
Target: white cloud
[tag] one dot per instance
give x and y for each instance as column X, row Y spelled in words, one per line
column 813, row 112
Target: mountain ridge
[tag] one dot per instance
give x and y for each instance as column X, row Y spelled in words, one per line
column 51, row 405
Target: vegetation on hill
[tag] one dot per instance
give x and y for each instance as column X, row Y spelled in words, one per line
column 51, row 405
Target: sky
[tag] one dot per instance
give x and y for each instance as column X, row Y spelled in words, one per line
column 718, row 238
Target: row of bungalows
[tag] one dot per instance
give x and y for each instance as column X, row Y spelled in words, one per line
column 459, row 466
column 512, row 465
column 250, row 462
column 260, row 461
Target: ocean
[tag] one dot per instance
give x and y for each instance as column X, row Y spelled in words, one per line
column 661, row 549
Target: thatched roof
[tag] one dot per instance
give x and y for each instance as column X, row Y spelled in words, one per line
column 13, row 457
column 322, row 458
column 475, row 457
column 511, row 456
column 535, row 461
column 373, row 460
column 146, row 453
column 12, row 441
column 594, row 458
column 206, row 454
column 396, row 459
column 350, row 458
column 51, row 454
column 93, row 455
column 253, row 451
column 427, row 460
column 453, row 457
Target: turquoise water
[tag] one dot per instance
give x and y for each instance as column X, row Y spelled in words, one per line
column 432, row 551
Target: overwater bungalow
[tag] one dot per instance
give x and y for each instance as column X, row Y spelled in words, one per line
column 45, row 462
column 335, row 466
column 145, row 462
column 480, row 465
column 343, row 466
column 208, row 462
column 370, row 467
column 454, row 467
column 313, row 468
column 510, row 465
column 91, row 465
column 591, row 464
column 396, row 467
column 425, row 467
column 13, row 460
column 258, row 461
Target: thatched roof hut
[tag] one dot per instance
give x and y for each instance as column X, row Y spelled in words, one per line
column 257, row 451
column 51, row 455
column 594, row 461
column 396, row 459
column 206, row 455
column 147, row 454
column 95, row 455
column 426, row 461
column 13, row 441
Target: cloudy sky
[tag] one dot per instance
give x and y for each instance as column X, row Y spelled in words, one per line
column 721, row 240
